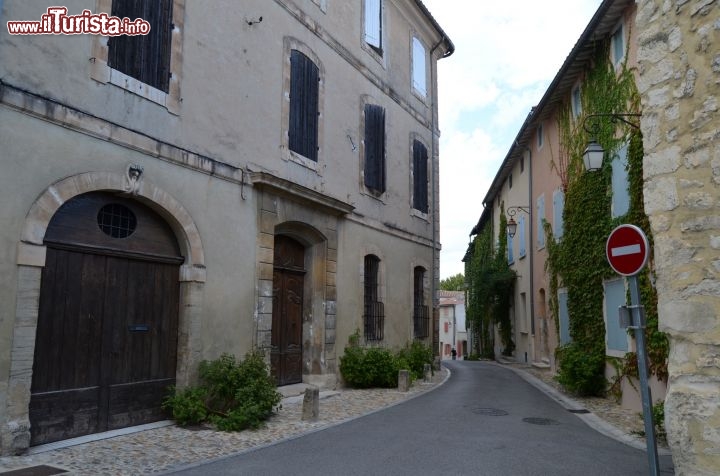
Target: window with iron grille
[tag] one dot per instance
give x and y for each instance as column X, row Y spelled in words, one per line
column 420, row 177
column 374, row 315
column 304, row 108
column 421, row 313
column 375, row 148
column 144, row 57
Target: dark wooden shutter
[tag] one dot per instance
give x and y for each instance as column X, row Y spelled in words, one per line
column 375, row 147
column 420, row 193
column 144, row 57
column 304, row 95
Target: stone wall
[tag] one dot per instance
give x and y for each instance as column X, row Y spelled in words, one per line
column 679, row 80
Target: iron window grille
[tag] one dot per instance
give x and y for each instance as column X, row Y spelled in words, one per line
column 421, row 313
column 374, row 310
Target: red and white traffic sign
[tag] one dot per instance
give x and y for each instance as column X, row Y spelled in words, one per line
column 627, row 250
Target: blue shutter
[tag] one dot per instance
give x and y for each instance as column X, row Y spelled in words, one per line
column 521, row 236
column 614, row 298
column 558, row 206
column 620, row 194
column 564, row 317
column 511, row 259
column 540, row 220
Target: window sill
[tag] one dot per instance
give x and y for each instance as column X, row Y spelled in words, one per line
column 374, row 53
column 303, row 161
column 370, row 194
column 418, row 214
column 137, row 87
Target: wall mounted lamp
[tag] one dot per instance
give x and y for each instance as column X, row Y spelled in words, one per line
column 512, row 224
column 594, row 152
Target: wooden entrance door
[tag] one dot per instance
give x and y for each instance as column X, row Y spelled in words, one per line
column 106, row 342
column 288, row 289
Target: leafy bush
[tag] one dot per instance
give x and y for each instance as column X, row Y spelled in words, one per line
column 581, row 372
column 187, row 405
column 417, row 355
column 371, row 367
column 233, row 395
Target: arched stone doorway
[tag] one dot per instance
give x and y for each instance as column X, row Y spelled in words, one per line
column 107, row 330
column 31, row 258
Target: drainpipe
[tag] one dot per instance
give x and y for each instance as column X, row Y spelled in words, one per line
column 433, row 186
column 532, row 254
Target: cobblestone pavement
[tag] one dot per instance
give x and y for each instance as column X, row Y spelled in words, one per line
column 160, row 449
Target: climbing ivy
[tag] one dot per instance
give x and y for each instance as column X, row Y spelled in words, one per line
column 578, row 261
column 490, row 290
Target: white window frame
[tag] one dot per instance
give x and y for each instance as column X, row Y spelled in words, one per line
column 419, row 67
column 540, row 138
column 620, row 29
column 373, row 24
column 576, row 101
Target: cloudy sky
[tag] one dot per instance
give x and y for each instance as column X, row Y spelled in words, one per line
column 506, row 54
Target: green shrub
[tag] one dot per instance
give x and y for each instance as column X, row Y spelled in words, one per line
column 187, row 405
column 371, row 367
column 581, row 371
column 233, row 395
column 417, row 355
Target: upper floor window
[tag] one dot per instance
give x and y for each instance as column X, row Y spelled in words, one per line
column 620, row 183
column 419, row 68
column 540, row 138
column 558, row 207
column 374, row 148
column 304, row 106
column 521, row 236
column 510, row 181
column 144, row 57
column 576, row 102
column 617, row 45
column 420, row 177
column 373, row 24
column 510, row 254
column 421, row 313
column 374, row 311
column 541, row 221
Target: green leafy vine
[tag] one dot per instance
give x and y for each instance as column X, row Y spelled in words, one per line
column 578, row 261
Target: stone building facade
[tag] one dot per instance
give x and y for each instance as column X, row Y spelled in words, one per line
column 267, row 179
column 679, row 80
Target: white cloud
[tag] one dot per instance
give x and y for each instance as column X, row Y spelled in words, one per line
column 506, row 54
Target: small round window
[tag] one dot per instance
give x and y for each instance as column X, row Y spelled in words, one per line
column 116, row 220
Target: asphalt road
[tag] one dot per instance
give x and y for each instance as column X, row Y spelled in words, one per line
column 485, row 420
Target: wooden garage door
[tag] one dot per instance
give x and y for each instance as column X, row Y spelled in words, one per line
column 106, row 344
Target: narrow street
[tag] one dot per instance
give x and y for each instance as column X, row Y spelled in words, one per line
column 485, row 420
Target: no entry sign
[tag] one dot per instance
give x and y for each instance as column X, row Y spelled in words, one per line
column 627, row 250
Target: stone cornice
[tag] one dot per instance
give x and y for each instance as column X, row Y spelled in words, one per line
column 299, row 193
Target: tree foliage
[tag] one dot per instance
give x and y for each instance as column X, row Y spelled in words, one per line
column 453, row 283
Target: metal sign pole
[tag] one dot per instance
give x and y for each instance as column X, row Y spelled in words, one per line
column 638, row 322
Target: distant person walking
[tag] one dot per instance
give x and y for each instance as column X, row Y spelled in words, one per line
column 454, row 353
